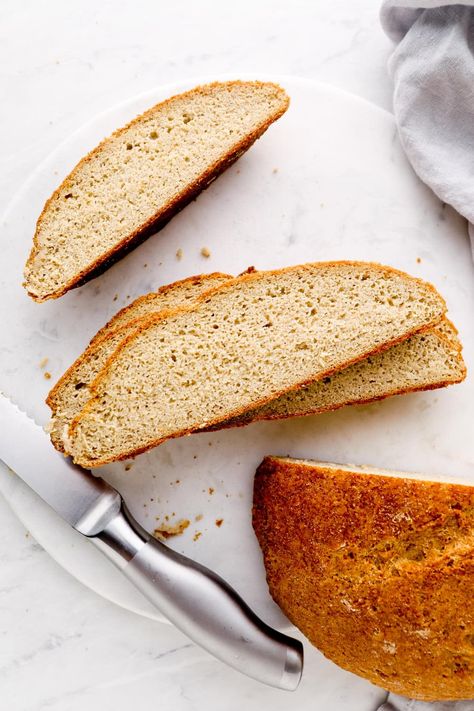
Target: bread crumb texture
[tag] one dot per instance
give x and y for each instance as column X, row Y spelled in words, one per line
column 71, row 393
column 376, row 570
column 248, row 341
column 136, row 179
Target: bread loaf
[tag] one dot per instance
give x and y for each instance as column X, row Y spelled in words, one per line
column 376, row 568
column 138, row 178
column 248, row 341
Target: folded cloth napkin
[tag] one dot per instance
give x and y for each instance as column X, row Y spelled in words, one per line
column 433, row 73
column 398, row 703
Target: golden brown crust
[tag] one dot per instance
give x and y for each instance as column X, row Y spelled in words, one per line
column 160, row 218
column 376, row 571
column 246, row 277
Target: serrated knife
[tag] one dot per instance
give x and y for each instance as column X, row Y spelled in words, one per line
column 193, row 598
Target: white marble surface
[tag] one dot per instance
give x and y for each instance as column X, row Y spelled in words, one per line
column 61, row 646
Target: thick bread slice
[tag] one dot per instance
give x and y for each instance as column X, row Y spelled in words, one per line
column 376, row 568
column 71, row 392
column 425, row 361
column 138, row 178
column 247, row 342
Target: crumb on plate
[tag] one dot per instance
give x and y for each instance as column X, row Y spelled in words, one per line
column 165, row 531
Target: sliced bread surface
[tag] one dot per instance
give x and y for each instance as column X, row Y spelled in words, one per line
column 139, row 177
column 67, row 398
column 247, row 342
column 425, row 361
column 428, row 360
column 376, row 568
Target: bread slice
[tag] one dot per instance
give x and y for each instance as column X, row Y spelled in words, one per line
column 376, row 568
column 425, row 361
column 247, row 342
column 71, row 392
column 138, row 178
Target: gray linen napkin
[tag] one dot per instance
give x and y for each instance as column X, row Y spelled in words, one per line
column 433, row 72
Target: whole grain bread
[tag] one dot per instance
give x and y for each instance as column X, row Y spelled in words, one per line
column 376, row 568
column 246, row 342
column 426, row 361
column 67, row 398
column 138, row 178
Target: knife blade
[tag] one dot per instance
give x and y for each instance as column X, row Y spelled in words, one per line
column 82, row 500
column 195, row 599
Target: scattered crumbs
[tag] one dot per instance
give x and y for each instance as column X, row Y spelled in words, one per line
column 176, row 529
column 174, row 513
column 151, row 498
column 211, row 490
column 219, row 522
column 145, row 266
column 47, row 375
column 237, row 171
column 144, row 506
column 115, row 297
column 178, row 481
column 43, row 363
column 195, row 456
column 205, row 252
column 128, row 296
column 275, row 170
column 167, row 518
column 209, row 444
column 199, row 517
column 418, row 260
column 128, row 466
column 27, row 534
column 160, row 264
column 197, row 535
column 227, row 496
column 321, row 204
column 179, row 253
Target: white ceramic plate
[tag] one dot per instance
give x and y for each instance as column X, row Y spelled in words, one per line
column 327, row 181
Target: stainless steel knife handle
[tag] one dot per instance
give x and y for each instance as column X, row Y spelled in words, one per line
column 201, row 604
